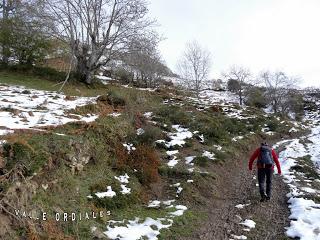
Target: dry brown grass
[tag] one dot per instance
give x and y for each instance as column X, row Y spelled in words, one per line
column 144, row 159
column 54, row 232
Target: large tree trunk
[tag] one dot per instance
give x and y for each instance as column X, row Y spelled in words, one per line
column 83, row 72
column 5, row 33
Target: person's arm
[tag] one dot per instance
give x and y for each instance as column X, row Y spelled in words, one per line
column 276, row 160
column 253, row 157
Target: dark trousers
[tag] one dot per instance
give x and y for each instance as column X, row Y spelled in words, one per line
column 265, row 176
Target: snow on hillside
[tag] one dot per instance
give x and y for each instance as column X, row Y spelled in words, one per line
column 300, row 161
column 22, row 108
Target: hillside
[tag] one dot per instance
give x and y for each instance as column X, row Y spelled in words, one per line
column 117, row 162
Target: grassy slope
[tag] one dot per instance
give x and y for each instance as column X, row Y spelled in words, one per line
column 34, row 82
column 68, row 192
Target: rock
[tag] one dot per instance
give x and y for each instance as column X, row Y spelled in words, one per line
column 97, row 234
column 26, row 92
column 215, row 108
column 79, row 157
column 70, row 98
column 16, row 112
column 44, row 186
column 102, row 98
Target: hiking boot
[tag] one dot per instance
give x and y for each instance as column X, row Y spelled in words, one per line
column 267, row 198
column 263, row 198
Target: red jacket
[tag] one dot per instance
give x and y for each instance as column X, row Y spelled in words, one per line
column 257, row 153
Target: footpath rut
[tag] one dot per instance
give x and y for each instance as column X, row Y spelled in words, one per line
column 237, row 185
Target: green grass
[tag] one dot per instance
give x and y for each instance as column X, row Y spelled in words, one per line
column 34, row 82
column 27, row 81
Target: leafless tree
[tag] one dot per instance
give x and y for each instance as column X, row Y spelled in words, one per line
column 241, row 76
column 145, row 62
column 97, row 31
column 194, row 66
column 278, row 85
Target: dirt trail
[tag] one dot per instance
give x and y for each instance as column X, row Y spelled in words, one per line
column 236, row 185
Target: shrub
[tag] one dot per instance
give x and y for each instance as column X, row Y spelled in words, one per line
column 144, row 160
column 233, row 126
column 233, row 85
column 201, row 161
column 115, row 99
column 174, row 172
column 118, row 201
column 256, row 98
column 150, row 135
column 212, row 129
column 173, row 115
column 21, row 152
column 123, row 75
column 272, row 124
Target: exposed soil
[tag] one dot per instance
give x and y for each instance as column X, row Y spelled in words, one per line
column 235, row 184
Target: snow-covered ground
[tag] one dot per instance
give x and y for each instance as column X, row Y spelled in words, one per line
column 148, row 228
column 22, row 108
column 305, row 212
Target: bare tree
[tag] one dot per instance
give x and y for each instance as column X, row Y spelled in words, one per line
column 278, row 85
column 145, row 62
column 241, row 77
column 97, row 31
column 194, row 66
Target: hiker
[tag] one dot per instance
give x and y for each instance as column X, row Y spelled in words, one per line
column 265, row 164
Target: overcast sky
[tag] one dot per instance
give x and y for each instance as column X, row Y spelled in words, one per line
column 258, row 34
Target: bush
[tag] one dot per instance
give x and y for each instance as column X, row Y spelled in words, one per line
column 201, row 161
column 173, row 115
column 174, row 172
column 296, row 104
column 118, row 201
column 272, row 124
column 150, row 135
column 233, row 126
column 233, row 85
column 123, row 75
column 144, row 160
column 22, row 153
column 115, row 99
column 212, row 129
column 256, row 98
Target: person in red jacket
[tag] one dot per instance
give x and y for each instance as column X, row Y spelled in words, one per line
column 267, row 157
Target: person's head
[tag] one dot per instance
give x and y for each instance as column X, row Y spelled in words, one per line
column 264, row 142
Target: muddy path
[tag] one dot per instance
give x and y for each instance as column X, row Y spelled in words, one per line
column 235, row 184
